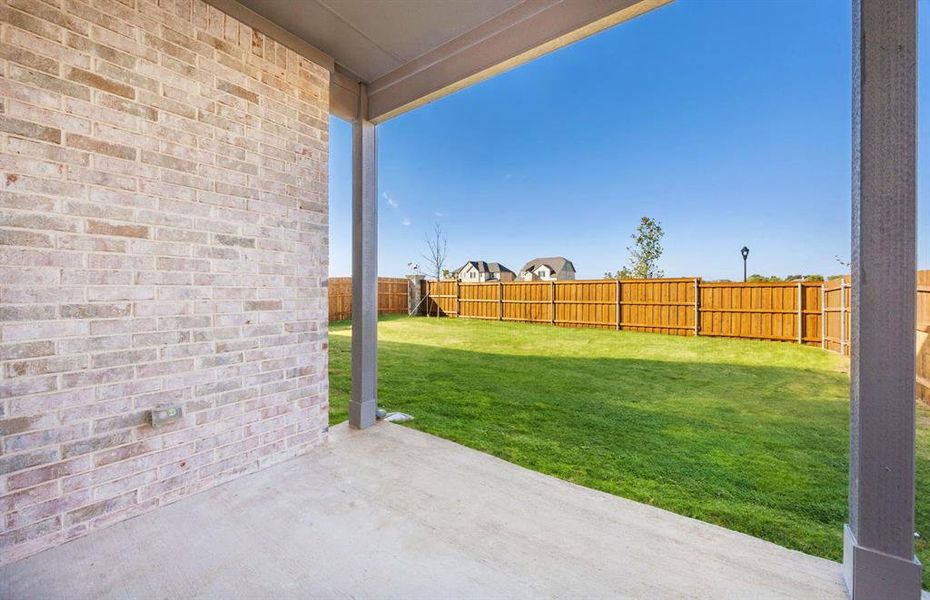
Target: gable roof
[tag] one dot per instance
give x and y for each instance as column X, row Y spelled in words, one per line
column 498, row 268
column 485, row 267
column 556, row 263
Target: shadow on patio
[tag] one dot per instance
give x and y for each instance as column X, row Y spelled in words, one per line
column 393, row 512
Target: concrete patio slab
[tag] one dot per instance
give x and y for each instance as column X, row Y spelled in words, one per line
column 391, row 512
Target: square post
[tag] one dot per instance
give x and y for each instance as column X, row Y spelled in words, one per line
column 800, row 313
column 823, row 317
column 500, row 300
column 617, row 298
column 878, row 553
column 364, row 402
column 843, row 333
column 697, row 306
column 552, row 302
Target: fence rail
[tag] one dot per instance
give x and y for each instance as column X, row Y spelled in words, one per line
column 810, row 313
column 392, row 296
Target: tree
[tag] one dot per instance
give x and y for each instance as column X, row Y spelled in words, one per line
column 756, row 278
column 435, row 256
column 644, row 253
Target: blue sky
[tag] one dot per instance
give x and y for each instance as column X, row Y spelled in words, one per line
column 729, row 122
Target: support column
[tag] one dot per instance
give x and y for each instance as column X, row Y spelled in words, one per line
column 364, row 402
column 878, row 555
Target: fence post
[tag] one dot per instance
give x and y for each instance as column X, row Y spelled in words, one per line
column 823, row 316
column 552, row 302
column 429, row 296
column 800, row 313
column 618, row 304
column 500, row 300
column 842, row 317
column 458, row 294
column 697, row 306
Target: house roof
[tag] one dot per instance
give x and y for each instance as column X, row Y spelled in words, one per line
column 485, row 267
column 556, row 263
column 498, row 268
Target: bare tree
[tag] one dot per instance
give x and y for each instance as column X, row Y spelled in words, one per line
column 435, row 256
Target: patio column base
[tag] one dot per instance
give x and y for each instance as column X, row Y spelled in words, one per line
column 873, row 575
column 362, row 414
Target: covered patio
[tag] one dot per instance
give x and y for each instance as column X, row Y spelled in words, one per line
column 390, row 512
column 879, row 560
column 374, row 510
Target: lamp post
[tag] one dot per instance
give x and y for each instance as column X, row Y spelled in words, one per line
column 745, row 253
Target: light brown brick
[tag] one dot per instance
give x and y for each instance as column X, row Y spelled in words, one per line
column 47, row 151
column 117, row 229
column 94, row 444
column 28, row 312
column 100, row 147
column 28, row 59
column 101, row 83
column 28, row 22
column 28, row 532
column 51, row 14
column 22, row 237
column 26, row 350
column 94, row 311
column 43, row 366
column 236, row 90
column 26, row 460
column 82, row 44
column 48, row 82
column 30, row 130
column 22, row 424
column 100, row 508
column 168, row 162
column 38, row 439
column 58, row 470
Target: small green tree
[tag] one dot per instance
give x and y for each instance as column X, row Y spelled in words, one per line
column 644, row 253
column 757, row 278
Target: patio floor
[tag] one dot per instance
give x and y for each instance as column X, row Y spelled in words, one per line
column 392, row 512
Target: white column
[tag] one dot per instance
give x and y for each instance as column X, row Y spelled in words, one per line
column 364, row 402
column 878, row 556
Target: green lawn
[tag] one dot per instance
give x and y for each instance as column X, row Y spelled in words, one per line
column 748, row 435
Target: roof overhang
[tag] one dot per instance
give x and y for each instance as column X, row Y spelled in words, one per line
column 409, row 53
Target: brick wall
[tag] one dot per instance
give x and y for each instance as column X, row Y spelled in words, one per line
column 163, row 239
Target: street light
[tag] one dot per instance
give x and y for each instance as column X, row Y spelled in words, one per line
column 745, row 253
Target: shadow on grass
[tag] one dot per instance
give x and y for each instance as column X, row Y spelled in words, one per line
column 758, row 449
column 668, row 433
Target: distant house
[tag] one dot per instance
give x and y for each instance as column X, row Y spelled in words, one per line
column 478, row 271
column 552, row 268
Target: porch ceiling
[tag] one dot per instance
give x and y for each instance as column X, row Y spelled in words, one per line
column 410, row 52
column 372, row 38
column 394, row 513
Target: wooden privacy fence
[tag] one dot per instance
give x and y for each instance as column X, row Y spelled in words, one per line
column 686, row 306
column 812, row 313
column 837, row 331
column 392, row 296
column 923, row 336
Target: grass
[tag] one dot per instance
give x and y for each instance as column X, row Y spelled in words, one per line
column 748, row 435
